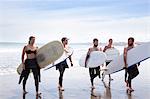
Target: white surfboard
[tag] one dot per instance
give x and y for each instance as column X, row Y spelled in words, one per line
column 134, row 56
column 47, row 54
column 111, row 54
column 96, row 59
column 64, row 56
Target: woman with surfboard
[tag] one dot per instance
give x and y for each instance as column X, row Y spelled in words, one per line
column 109, row 46
column 94, row 72
column 63, row 65
column 132, row 71
column 30, row 63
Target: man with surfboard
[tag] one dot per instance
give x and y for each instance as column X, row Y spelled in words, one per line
column 63, row 65
column 109, row 46
column 30, row 63
column 94, row 72
column 131, row 71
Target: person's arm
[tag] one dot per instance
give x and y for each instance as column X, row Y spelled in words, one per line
column 87, row 57
column 104, row 48
column 125, row 62
column 70, row 58
column 23, row 53
column 125, row 57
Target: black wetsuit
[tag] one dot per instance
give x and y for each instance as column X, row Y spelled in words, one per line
column 30, row 64
column 94, row 72
column 131, row 72
column 61, row 67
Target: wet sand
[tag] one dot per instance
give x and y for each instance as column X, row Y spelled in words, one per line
column 77, row 85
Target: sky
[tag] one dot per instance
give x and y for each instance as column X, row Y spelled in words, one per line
column 79, row 20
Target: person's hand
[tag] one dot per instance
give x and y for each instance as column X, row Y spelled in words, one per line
column 23, row 66
column 71, row 64
column 125, row 67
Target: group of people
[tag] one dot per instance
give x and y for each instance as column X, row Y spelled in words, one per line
column 30, row 64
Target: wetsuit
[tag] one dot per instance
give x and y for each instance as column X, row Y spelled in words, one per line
column 61, row 67
column 94, row 72
column 30, row 64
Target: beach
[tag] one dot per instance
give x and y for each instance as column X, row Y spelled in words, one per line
column 76, row 80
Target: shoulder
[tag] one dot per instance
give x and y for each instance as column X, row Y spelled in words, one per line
column 125, row 49
column 25, row 47
column 90, row 48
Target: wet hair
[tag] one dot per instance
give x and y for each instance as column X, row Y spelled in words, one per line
column 110, row 39
column 63, row 39
column 131, row 38
column 95, row 39
column 30, row 38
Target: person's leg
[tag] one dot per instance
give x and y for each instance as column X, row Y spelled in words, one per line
column 91, row 72
column 126, row 74
column 61, row 77
column 129, row 82
column 109, row 74
column 21, row 76
column 110, row 77
column 98, row 71
column 61, row 71
column 103, row 76
column 39, row 74
column 26, row 74
column 36, row 79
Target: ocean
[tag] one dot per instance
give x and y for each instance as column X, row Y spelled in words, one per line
column 10, row 55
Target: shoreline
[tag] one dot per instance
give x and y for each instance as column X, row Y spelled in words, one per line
column 76, row 86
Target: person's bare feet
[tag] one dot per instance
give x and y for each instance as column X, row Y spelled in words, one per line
column 131, row 89
column 92, row 87
column 127, row 83
column 110, row 79
column 25, row 92
column 38, row 94
column 61, row 88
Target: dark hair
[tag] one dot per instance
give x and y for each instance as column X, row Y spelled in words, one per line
column 95, row 39
column 30, row 38
column 110, row 39
column 131, row 38
column 63, row 39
